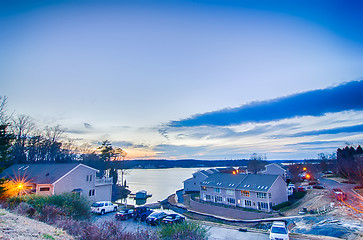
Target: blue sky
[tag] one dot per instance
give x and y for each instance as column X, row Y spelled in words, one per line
column 189, row 79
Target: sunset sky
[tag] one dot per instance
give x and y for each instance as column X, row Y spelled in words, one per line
column 189, row 79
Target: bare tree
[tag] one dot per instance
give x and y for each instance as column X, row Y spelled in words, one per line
column 4, row 118
column 21, row 127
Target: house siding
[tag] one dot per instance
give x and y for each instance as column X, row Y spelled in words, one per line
column 193, row 184
column 273, row 169
column 278, row 192
column 77, row 178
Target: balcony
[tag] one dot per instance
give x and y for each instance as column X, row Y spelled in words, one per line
column 103, row 181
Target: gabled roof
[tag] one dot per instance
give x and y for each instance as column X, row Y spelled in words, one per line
column 208, row 171
column 250, row 182
column 223, row 180
column 47, row 173
column 257, row 182
column 278, row 165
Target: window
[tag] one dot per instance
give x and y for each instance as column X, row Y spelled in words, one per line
column 248, row 203
column 203, row 188
column 91, row 192
column 219, row 199
column 207, row 197
column 44, row 189
column 217, row 190
column 245, row 193
column 90, row 178
column 261, row 195
column 263, row 205
column 269, row 195
column 229, row 192
column 87, row 178
column 231, row 200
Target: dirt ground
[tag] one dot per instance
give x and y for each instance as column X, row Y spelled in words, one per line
column 15, row 227
column 337, row 221
column 314, row 199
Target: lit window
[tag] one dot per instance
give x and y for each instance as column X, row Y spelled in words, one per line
column 217, row 190
column 245, row 193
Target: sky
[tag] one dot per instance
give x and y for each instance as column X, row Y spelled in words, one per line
column 189, row 79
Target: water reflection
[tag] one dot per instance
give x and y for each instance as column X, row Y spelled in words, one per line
column 161, row 183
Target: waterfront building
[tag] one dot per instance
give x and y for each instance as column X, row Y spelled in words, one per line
column 256, row 191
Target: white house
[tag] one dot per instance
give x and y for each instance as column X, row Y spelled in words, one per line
column 256, row 191
column 193, row 184
column 56, row 178
column 276, row 169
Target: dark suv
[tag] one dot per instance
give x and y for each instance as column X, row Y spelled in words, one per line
column 141, row 213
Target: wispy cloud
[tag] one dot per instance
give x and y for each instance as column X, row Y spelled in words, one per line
column 347, row 129
column 344, row 97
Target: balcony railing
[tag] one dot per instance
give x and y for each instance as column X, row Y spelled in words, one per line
column 103, row 181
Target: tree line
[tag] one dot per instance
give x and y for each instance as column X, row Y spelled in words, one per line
column 350, row 163
column 22, row 142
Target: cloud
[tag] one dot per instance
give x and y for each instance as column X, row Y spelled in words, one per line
column 344, row 97
column 217, row 132
column 348, row 129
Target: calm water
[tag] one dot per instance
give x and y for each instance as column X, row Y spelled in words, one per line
column 159, row 182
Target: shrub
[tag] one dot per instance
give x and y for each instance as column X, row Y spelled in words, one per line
column 71, row 226
column 73, row 206
column 25, row 209
column 50, row 213
column 186, row 230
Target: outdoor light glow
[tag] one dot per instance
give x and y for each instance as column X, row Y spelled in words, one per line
column 307, row 176
column 16, row 187
column 304, row 168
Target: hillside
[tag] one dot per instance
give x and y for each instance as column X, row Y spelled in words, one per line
column 17, row 227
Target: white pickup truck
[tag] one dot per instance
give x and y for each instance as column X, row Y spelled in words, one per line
column 103, row 207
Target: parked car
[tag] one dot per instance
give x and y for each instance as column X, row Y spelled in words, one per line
column 103, row 207
column 124, row 214
column 339, row 194
column 279, row 231
column 155, row 218
column 173, row 218
column 141, row 213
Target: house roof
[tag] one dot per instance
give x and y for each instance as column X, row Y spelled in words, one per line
column 47, row 173
column 250, row 182
column 279, row 165
column 209, row 171
column 223, row 180
column 257, row 182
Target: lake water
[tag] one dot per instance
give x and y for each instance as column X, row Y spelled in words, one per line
column 161, row 183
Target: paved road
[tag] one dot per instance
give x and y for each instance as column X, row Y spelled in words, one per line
column 352, row 199
column 217, row 233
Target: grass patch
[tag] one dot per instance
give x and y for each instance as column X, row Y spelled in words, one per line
column 47, row 236
column 186, row 230
column 292, row 201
